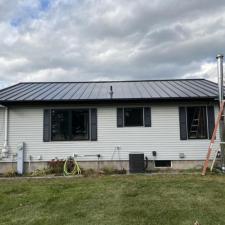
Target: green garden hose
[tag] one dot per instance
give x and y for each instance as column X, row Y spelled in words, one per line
column 76, row 168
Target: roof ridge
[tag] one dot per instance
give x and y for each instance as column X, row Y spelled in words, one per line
column 113, row 81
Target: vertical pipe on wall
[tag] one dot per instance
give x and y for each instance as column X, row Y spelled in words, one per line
column 5, row 149
column 221, row 97
column 220, row 76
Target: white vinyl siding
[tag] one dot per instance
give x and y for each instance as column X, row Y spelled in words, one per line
column 26, row 125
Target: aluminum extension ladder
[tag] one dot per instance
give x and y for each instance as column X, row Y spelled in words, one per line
column 195, row 124
column 212, row 141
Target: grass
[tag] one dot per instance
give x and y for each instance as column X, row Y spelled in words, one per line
column 116, row 200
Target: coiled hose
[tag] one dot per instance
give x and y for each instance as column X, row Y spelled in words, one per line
column 76, row 168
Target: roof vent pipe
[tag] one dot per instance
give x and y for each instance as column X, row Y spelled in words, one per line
column 220, row 76
column 221, row 126
column 111, row 91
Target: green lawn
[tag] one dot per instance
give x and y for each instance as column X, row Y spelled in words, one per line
column 117, row 200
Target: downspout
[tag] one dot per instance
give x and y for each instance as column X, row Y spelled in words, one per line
column 5, row 149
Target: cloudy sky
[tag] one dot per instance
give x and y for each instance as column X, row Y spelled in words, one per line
column 73, row 40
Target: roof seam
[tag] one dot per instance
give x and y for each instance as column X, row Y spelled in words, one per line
column 196, row 89
column 177, row 87
column 12, row 94
column 36, row 91
column 183, row 85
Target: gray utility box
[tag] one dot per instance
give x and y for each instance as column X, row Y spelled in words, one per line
column 136, row 163
column 20, row 159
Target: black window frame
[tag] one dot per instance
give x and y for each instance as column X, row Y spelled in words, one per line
column 142, row 114
column 205, row 121
column 70, row 111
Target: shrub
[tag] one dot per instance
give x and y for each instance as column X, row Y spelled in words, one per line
column 56, row 166
column 110, row 171
column 11, row 173
column 40, row 172
column 122, row 171
column 89, row 172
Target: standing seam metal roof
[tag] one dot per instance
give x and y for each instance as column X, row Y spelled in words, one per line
column 99, row 90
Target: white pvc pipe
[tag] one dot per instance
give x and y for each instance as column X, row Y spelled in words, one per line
column 5, row 146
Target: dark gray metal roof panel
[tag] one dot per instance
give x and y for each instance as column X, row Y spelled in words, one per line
column 122, row 90
column 19, row 92
column 176, row 91
column 36, row 89
column 87, row 93
column 151, row 91
column 57, row 90
column 142, row 90
column 135, row 92
column 209, row 85
column 96, row 91
column 205, row 90
column 64, row 91
column 75, row 87
column 80, row 91
column 47, row 91
column 7, row 93
column 11, row 89
column 160, row 92
column 99, row 92
column 195, row 89
column 35, row 95
column 187, row 90
column 162, row 85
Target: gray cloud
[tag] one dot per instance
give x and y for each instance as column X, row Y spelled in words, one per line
column 96, row 39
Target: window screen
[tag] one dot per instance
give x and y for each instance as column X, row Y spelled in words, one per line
column 197, row 122
column 133, row 117
column 69, row 125
column 80, row 125
column 60, row 125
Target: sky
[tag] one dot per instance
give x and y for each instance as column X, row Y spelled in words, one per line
column 85, row 40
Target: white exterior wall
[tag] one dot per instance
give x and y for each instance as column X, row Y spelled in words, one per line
column 26, row 125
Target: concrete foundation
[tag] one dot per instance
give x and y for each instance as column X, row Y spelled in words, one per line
column 6, row 167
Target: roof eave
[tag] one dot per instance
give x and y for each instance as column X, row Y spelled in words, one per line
column 113, row 100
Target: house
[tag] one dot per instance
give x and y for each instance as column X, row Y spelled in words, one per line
column 170, row 121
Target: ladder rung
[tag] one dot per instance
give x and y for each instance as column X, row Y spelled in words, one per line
column 222, row 143
column 193, row 131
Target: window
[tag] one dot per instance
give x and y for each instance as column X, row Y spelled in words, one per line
column 162, row 163
column 67, row 125
column 60, row 125
column 197, row 122
column 133, row 117
column 80, row 125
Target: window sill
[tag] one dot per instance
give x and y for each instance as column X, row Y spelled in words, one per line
column 198, row 139
column 70, row 140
